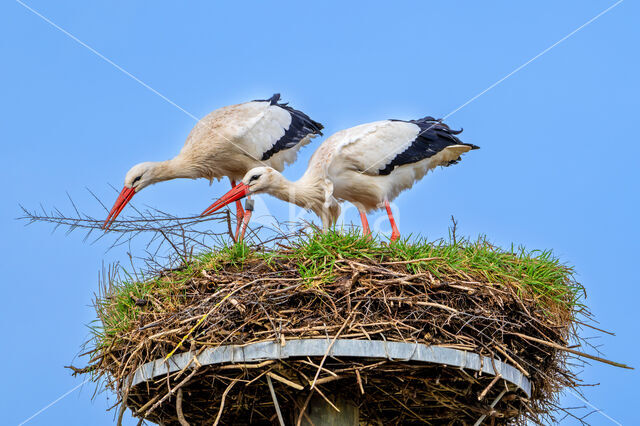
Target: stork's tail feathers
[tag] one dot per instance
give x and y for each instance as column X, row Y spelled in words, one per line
column 434, row 140
column 443, row 132
column 428, row 123
column 274, row 99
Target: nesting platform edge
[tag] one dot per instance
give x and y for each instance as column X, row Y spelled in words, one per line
column 393, row 351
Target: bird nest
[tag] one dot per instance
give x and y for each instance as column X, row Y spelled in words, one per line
column 515, row 308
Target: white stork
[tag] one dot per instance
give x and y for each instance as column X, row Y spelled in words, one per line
column 367, row 165
column 229, row 142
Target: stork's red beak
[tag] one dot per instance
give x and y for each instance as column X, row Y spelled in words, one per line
column 237, row 192
column 125, row 196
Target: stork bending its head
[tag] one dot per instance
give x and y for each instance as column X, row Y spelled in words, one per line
column 228, row 142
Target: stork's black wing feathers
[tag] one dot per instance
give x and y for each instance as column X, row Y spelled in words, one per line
column 301, row 126
column 434, row 136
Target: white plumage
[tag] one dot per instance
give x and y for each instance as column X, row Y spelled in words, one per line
column 229, row 142
column 368, row 165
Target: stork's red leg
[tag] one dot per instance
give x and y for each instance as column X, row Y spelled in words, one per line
column 247, row 216
column 395, row 234
column 239, row 211
column 365, row 224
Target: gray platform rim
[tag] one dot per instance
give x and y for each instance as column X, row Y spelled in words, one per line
column 394, row 351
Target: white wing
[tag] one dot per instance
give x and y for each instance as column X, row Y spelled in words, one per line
column 376, row 161
column 264, row 130
column 369, row 148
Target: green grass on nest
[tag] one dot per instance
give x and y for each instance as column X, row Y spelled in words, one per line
column 536, row 274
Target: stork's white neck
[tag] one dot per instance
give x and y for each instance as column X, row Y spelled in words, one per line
column 304, row 192
column 309, row 192
column 173, row 169
column 308, row 195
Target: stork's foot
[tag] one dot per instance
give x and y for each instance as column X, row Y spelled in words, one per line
column 366, row 231
column 245, row 222
column 395, row 234
column 239, row 211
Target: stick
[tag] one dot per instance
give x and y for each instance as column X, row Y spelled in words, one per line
column 324, row 358
column 181, row 419
column 246, row 366
column 359, row 381
column 121, row 413
column 506, row 355
column 308, row 361
column 405, row 262
column 437, row 305
column 573, row 351
column 493, row 404
column 304, row 407
column 149, row 403
column 327, row 379
column 275, row 399
column 174, row 247
column 224, row 396
column 493, row 382
column 327, row 399
column 285, row 381
column 233, row 237
column 171, row 392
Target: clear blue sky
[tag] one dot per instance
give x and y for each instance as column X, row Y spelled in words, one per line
column 558, row 166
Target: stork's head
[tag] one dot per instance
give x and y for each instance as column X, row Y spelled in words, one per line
column 258, row 179
column 139, row 176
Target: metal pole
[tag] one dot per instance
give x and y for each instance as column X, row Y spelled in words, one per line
column 322, row 413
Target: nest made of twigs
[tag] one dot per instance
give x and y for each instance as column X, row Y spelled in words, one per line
column 517, row 307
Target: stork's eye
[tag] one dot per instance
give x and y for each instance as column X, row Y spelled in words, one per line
column 136, row 179
column 254, row 177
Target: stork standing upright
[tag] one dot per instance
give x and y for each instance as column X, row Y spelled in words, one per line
column 367, row 165
column 228, row 142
